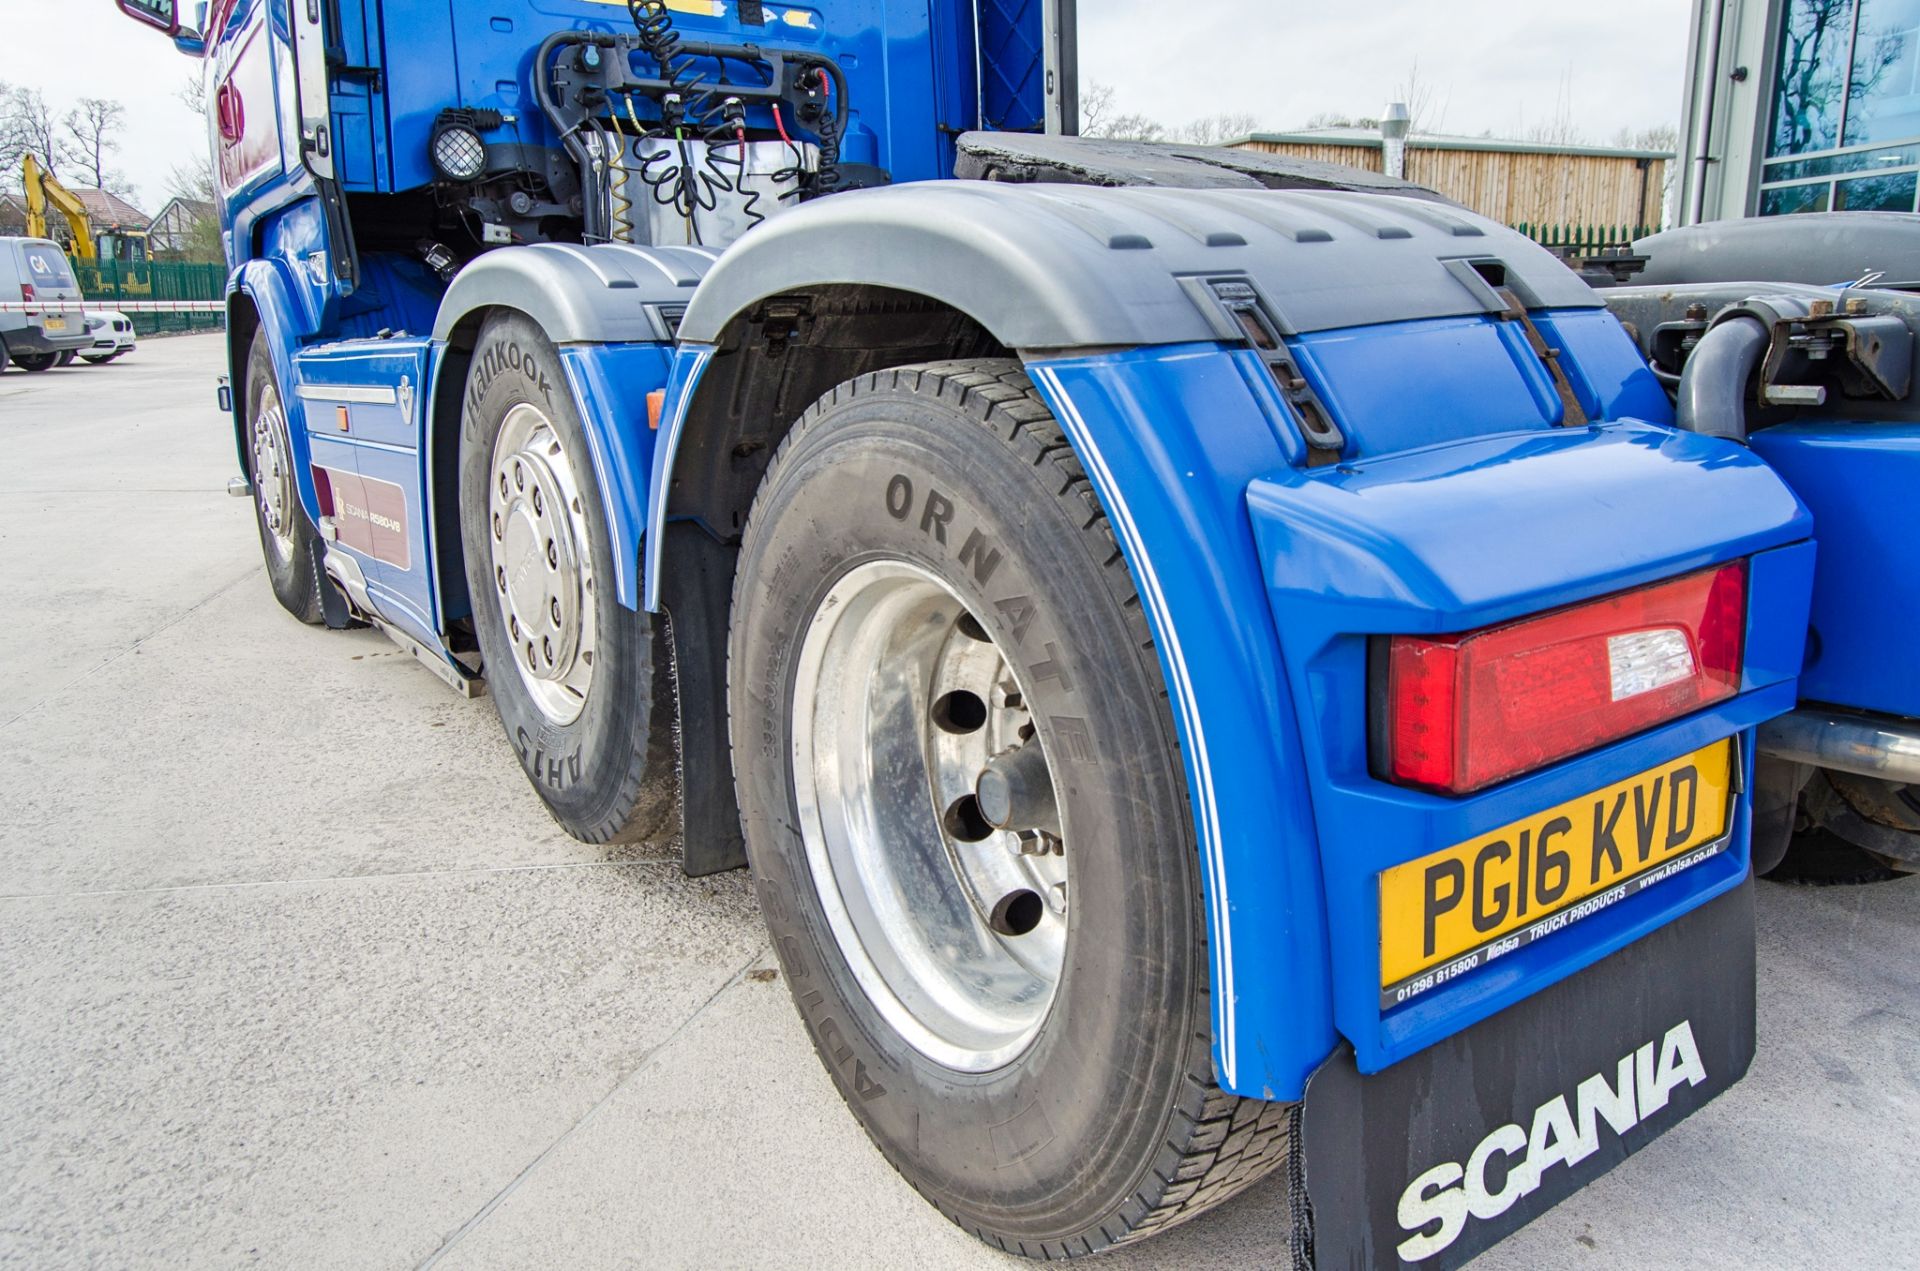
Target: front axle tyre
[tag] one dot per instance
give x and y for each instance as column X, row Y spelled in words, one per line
column 571, row 671
column 964, row 804
column 35, row 361
column 288, row 540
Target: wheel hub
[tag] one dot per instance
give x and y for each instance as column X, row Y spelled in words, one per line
column 904, row 711
column 542, row 565
column 273, row 471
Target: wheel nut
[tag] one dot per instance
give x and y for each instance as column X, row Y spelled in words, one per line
column 537, row 510
column 519, row 477
column 500, row 572
column 499, row 529
column 553, row 555
column 513, row 626
column 503, row 485
column 546, row 649
column 556, row 611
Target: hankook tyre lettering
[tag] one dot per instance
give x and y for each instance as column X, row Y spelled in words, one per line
column 964, row 804
column 579, row 680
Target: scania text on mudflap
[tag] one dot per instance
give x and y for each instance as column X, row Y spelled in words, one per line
column 1218, row 664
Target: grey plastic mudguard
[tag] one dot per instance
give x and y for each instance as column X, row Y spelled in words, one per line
column 605, row 294
column 1821, row 248
column 1058, row 266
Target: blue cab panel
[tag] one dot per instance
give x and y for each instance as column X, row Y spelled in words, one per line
column 1857, row 477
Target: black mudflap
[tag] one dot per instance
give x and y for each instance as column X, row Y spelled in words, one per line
column 1438, row 1157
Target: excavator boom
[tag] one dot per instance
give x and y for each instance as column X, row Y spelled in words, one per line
column 42, row 189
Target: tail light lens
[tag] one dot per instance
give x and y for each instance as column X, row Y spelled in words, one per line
column 26, row 293
column 1466, row 711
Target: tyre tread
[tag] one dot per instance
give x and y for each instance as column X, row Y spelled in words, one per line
column 1216, row 1144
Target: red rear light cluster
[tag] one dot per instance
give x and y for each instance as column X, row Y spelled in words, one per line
column 26, row 293
column 1466, row 711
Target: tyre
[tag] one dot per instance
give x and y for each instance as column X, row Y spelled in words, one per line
column 288, row 540
column 65, row 358
column 571, row 671
column 101, row 360
column 35, row 361
column 965, row 809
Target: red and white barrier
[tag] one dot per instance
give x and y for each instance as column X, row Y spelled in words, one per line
column 124, row 306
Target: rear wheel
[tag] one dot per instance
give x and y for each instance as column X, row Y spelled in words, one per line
column 35, row 361
column 65, row 358
column 964, row 804
column 570, row 669
column 288, row 540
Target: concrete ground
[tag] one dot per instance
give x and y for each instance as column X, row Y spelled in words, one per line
column 295, row 971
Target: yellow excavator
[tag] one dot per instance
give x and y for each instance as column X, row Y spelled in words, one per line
column 124, row 243
column 42, row 190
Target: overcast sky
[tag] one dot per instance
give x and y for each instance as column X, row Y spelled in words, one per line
column 1504, row 65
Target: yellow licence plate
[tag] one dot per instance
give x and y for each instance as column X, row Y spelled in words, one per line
column 54, row 324
column 1445, row 914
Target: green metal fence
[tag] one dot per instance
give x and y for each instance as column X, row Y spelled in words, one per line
column 108, row 283
column 1577, row 239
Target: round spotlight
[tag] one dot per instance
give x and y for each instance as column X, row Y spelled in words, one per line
column 458, row 153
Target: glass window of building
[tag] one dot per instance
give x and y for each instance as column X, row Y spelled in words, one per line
column 1845, row 115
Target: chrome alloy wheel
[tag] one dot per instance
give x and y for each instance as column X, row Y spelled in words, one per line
column 927, row 812
column 273, row 471
column 542, row 563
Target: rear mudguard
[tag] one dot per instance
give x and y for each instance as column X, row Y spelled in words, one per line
column 1262, row 582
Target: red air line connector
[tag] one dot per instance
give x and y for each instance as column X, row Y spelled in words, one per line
column 1466, row 711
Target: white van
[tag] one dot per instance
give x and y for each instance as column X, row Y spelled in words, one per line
column 34, row 271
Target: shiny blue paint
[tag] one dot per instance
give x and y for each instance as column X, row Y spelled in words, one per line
column 1172, row 437
column 1406, row 545
column 1859, row 478
column 1485, row 361
column 1603, row 364
column 689, row 364
column 1271, row 579
column 610, row 383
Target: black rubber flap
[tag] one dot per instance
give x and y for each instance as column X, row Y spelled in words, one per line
column 1465, row 1125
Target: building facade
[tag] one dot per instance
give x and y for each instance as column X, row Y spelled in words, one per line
column 1540, row 187
column 1801, row 106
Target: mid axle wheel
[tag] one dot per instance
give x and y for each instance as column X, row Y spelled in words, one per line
column 582, row 704
column 537, row 545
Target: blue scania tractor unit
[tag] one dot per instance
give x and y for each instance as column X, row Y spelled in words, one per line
column 1219, row 665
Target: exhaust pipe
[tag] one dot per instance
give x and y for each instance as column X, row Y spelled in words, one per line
column 1863, row 745
column 1713, row 384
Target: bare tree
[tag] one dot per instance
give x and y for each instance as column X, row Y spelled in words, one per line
column 27, row 127
column 192, row 180
column 1812, row 77
column 1100, row 116
column 1213, row 130
column 1417, row 96
column 193, row 95
column 1096, row 108
column 1134, row 126
column 93, row 133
